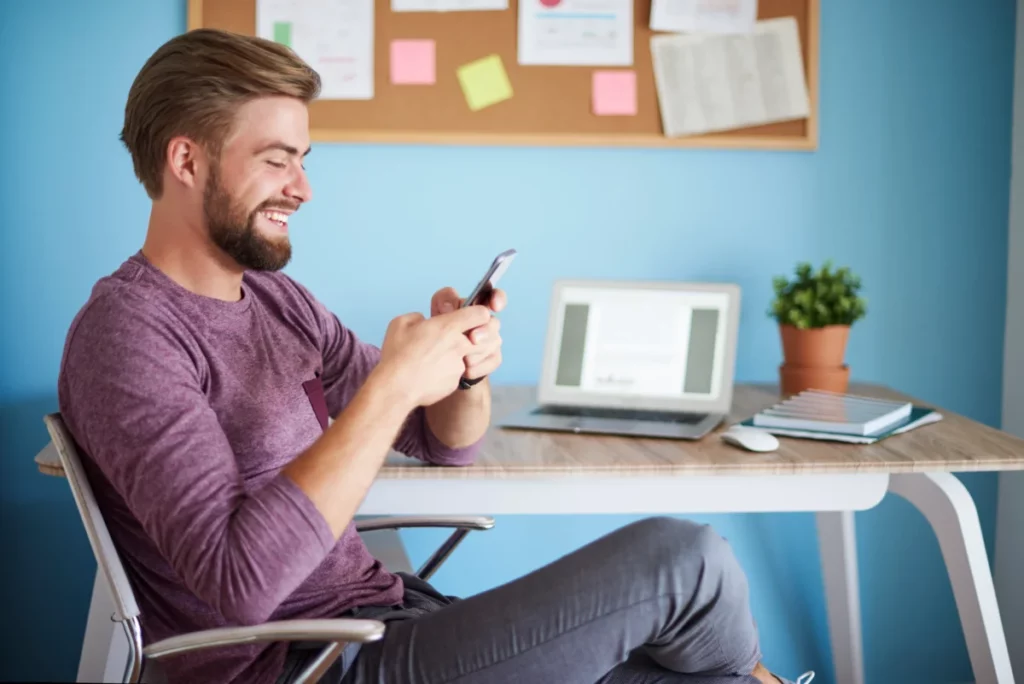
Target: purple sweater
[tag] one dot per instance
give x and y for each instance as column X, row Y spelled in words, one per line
column 186, row 409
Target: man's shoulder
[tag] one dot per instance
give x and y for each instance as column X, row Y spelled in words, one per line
column 124, row 335
column 123, row 306
column 126, row 294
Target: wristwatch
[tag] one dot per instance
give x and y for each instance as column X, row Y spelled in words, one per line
column 465, row 383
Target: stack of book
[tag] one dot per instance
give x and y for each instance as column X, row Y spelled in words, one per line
column 815, row 414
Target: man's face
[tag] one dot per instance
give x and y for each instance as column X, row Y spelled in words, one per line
column 258, row 182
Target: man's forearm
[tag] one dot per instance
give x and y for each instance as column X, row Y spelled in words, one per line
column 461, row 418
column 338, row 469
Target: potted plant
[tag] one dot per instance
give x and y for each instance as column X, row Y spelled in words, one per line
column 814, row 311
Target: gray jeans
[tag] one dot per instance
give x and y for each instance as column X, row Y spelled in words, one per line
column 659, row 601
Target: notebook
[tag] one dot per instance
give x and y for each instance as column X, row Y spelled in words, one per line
column 831, row 412
column 816, row 414
column 919, row 415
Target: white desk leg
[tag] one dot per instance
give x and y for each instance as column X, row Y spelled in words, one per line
column 837, row 542
column 950, row 510
column 105, row 646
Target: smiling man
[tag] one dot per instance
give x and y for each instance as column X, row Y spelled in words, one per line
column 199, row 381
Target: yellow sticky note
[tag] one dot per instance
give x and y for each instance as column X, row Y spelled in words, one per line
column 484, row 82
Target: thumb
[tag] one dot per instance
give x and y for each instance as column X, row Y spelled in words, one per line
column 444, row 301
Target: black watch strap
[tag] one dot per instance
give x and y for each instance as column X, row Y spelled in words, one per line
column 465, row 384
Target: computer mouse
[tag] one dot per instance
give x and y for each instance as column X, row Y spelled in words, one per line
column 750, row 438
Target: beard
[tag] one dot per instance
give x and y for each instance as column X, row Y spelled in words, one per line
column 234, row 230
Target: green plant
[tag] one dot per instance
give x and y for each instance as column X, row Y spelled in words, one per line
column 816, row 299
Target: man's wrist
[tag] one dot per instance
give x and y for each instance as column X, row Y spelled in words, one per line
column 385, row 383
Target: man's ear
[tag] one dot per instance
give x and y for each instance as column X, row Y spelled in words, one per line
column 184, row 160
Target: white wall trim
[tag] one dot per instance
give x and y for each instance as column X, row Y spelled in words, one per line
column 1009, row 553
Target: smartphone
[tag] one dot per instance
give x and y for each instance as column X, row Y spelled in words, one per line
column 481, row 294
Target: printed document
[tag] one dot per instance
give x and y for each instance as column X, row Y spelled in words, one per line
column 703, row 16
column 710, row 83
column 447, row 5
column 576, row 32
column 636, row 346
column 334, row 36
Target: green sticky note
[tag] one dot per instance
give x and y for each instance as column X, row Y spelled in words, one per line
column 283, row 32
column 484, row 82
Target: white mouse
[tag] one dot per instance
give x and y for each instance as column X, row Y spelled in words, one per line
column 751, row 439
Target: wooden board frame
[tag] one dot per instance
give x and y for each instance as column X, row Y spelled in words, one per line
column 726, row 140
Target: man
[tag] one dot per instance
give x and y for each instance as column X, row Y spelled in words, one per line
column 197, row 381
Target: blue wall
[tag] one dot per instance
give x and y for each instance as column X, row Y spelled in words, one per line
column 909, row 186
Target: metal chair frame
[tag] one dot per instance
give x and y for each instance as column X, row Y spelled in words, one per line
column 336, row 633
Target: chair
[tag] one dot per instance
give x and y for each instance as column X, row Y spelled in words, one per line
column 336, row 633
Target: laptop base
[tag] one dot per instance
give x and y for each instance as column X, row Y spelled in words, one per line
column 584, row 420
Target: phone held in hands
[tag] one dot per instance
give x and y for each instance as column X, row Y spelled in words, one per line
column 481, row 294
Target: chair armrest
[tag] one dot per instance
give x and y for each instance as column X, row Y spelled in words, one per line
column 465, row 522
column 347, row 630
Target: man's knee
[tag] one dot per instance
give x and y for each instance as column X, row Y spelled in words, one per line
column 675, row 541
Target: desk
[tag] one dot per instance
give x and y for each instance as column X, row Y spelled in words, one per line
column 546, row 473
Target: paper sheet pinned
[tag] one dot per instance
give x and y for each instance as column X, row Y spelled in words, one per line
column 703, row 16
column 576, row 32
column 334, row 36
column 484, row 82
column 413, row 62
column 710, row 83
column 448, row 5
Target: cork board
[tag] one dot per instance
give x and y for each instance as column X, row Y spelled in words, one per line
column 551, row 106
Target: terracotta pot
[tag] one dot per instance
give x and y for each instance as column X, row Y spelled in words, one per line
column 795, row 379
column 819, row 347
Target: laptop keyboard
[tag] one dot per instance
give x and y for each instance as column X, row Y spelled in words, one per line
column 621, row 414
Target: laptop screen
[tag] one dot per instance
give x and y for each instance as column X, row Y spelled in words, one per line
column 658, row 343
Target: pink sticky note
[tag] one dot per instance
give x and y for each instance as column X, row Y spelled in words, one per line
column 614, row 93
column 412, row 62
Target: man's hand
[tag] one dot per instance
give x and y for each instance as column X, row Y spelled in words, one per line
column 426, row 357
column 461, row 418
column 485, row 355
column 421, row 361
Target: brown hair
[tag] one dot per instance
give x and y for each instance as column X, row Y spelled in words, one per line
column 193, row 85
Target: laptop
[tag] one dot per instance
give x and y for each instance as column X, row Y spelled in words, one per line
column 644, row 359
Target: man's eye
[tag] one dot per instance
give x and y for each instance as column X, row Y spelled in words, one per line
column 276, row 164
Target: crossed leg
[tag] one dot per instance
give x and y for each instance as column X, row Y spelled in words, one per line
column 659, row 601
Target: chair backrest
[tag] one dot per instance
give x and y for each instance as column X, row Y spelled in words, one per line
column 107, row 558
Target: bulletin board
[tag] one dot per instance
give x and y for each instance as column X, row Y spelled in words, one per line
column 550, row 106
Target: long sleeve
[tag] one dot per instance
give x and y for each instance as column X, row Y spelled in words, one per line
column 132, row 395
column 348, row 361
